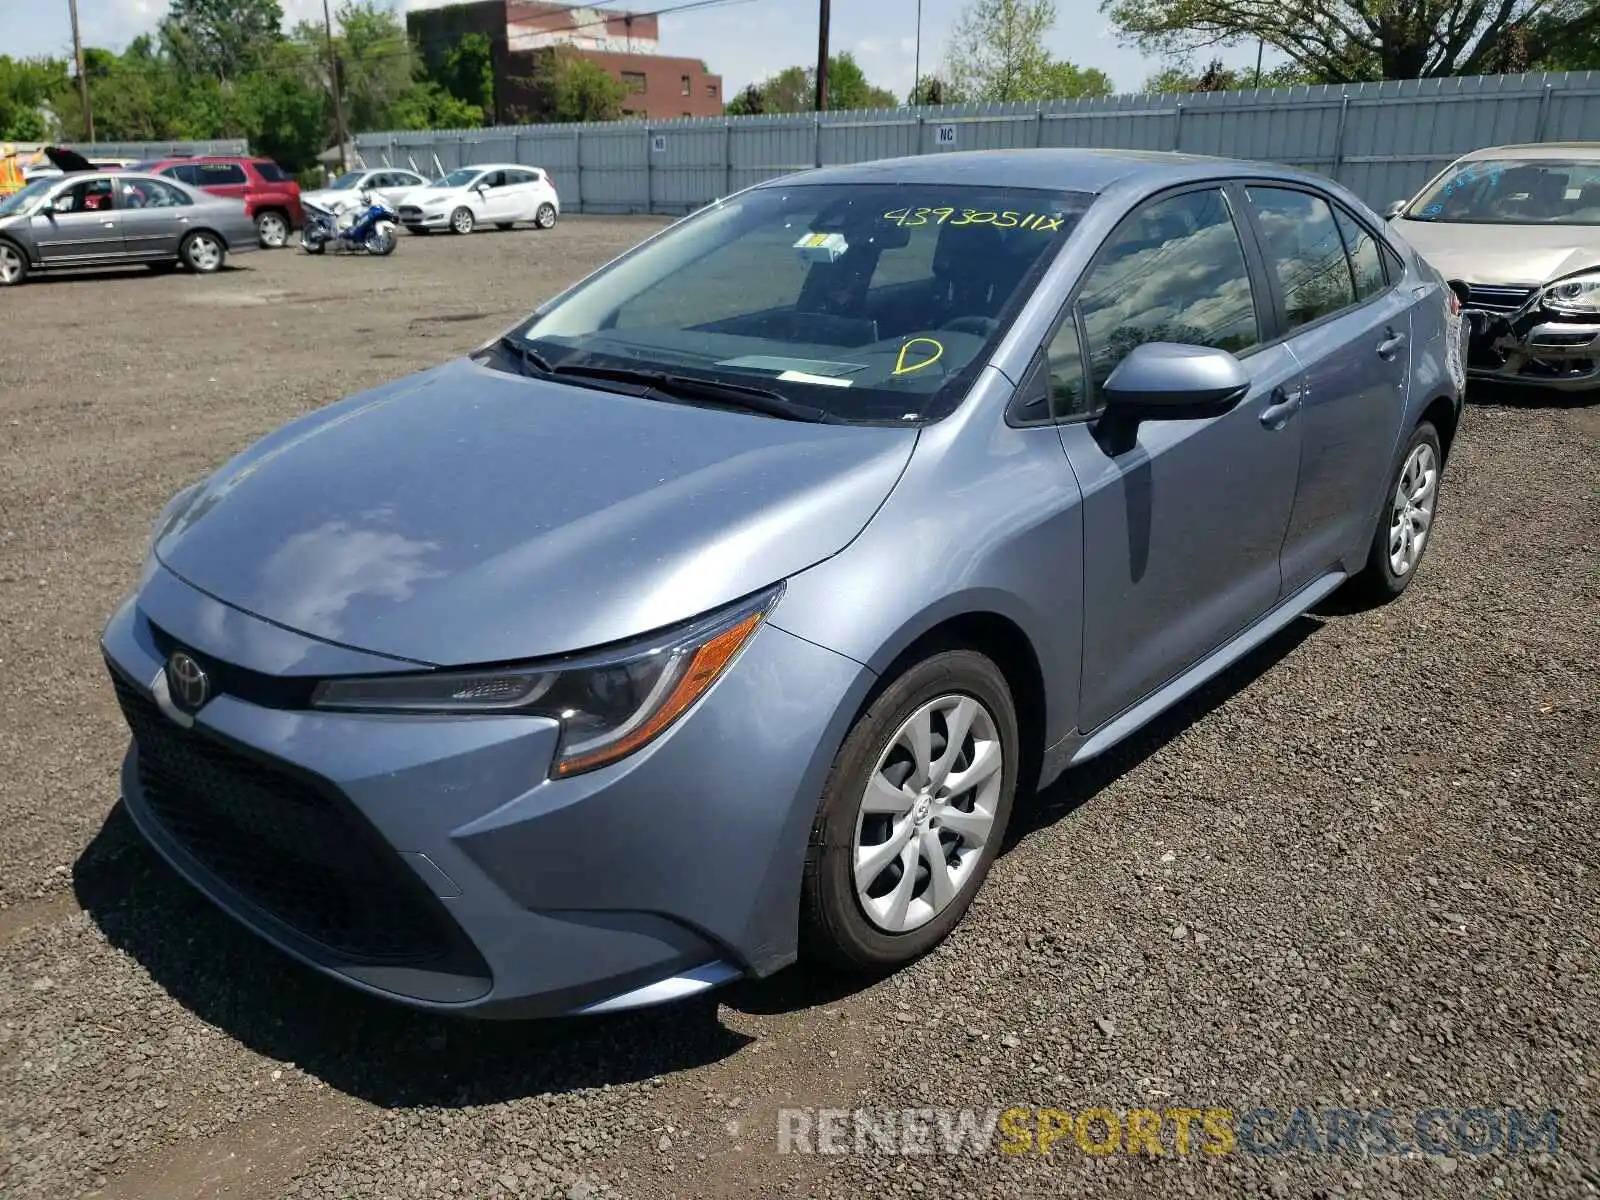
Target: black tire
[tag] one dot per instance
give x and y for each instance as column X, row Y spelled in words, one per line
column 504, row 225
column 462, row 220
column 193, row 251
column 545, row 218
column 834, row 927
column 1379, row 582
column 272, row 229
column 13, row 265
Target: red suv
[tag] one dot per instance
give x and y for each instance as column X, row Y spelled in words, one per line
column 270, row 194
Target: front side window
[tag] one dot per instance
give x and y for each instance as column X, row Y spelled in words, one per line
column 1305, row 250
column 1174, row 271
column 350, row 179
column 92, row 195
column 872, row 302
column 1549, row 191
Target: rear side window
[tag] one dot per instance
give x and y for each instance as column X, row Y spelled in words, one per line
column 218, row 174
column 1174, row 271
column 1305, row 250
column 273, row 173
column 1366, row 264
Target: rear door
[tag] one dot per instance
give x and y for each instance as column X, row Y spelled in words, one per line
column 1182, row 527
column 154, row 217
column 221, row 179
column 84, row 227
column 1350, row 326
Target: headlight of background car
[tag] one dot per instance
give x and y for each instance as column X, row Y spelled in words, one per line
column 609, row 704
column 1578, row 296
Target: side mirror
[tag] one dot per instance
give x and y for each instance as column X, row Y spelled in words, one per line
column 1165, row 381
column 1396, row 207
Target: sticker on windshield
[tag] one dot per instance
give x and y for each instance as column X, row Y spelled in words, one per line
column 917, row 354
column 1037, row 222
column 806, row 377
column 822, row 247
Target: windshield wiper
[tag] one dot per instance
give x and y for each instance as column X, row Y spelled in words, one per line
column 687, row 387
column 525, row 355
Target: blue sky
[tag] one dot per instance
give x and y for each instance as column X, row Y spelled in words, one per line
column 743, row 42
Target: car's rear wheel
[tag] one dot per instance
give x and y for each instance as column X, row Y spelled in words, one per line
column 13, row 265
column 202, row 252
column 462, row 220
column 1405, row 526
column 912, row 814
column 272, row 230
column 545, row 218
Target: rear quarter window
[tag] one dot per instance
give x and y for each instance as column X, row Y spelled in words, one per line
column 272, row 172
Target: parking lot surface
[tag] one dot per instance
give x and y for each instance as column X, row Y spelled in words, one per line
column 1358, row 872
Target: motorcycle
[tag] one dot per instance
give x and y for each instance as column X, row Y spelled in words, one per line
column 369, row 226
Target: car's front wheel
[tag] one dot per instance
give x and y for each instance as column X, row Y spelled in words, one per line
column 912, row 814
column 13, row 266
column 1405, row 524
column 462, row 220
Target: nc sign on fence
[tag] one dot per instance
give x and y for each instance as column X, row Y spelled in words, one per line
column 944, row 135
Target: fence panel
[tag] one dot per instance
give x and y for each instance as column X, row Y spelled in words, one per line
column 1382, row 140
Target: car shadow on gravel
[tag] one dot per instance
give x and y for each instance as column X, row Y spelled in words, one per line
column 375, row 1050
column 1511, row 395
column 791, row 990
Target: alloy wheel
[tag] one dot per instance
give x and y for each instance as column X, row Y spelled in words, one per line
column 273, row 230
column 205, row 253
column 12, row 268
column 545, row 218
column 1411, row 517
column 462, row 220
column 927, row 812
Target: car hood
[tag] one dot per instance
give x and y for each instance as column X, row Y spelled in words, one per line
column 465, row 516
column 1520, row 255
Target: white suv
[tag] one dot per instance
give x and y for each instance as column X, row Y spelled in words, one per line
column 498, row 194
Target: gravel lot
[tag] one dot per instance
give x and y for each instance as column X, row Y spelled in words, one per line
column 1360, row 871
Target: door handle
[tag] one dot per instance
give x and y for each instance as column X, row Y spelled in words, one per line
column 1281, row 410
column 1390, row 346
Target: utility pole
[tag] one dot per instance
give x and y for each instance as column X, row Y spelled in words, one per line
column 822, row 59
column 1260, row 46
column 916, row 71
column 333, row 77
column 83, row 80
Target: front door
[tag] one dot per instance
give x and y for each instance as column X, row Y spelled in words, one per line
column 1350, row 326
column 1183, row 526
column 84, row 226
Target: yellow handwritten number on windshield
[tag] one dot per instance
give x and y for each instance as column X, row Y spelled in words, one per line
column 1038, row 222
column 902, row 368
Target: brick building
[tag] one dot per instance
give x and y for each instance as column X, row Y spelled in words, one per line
column 621, row 44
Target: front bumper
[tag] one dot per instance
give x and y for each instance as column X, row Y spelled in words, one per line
column 424, row 220
column 429, row 859
column 1531, row 348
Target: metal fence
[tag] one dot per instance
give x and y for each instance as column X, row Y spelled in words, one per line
column 152, row 150
column 1382, row 140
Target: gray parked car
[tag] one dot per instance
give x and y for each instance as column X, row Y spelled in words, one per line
column 114, row 218
column 725, row 606
column 1516, row 230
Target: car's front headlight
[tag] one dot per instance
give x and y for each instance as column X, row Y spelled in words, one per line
column 610, row 703
column 1578, row 296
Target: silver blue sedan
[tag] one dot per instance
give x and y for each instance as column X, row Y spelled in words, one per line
column 720, row 612
column 114, row 218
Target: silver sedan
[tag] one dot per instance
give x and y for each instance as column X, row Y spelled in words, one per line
column 112, row 218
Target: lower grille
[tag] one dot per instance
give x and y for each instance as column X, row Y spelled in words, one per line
column 294, row 850
column 409, row 213
column 1498, row 299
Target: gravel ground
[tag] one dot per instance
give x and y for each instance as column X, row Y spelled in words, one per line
column 1357, row 872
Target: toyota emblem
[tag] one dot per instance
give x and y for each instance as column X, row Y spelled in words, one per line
column 187, row 682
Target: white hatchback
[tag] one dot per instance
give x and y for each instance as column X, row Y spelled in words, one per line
column 498, row 194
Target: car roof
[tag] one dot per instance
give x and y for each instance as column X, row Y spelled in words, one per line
column 1079, row 170
column 1581, row 151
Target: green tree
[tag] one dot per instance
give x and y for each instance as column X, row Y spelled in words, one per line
column 1181, row 77
column 794, row 89
column 1060, row 80
column 220, row 38
column 1343, row 41
column 997, row 50
column 467, row 71
column 848, row 87
column 565, row 86
column 28, row 89
column 930, row 89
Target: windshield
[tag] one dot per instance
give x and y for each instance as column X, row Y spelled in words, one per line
column 873, row 303
column 1513, row 192
column 346, row 181
column 457, row 178
column 22, row 201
